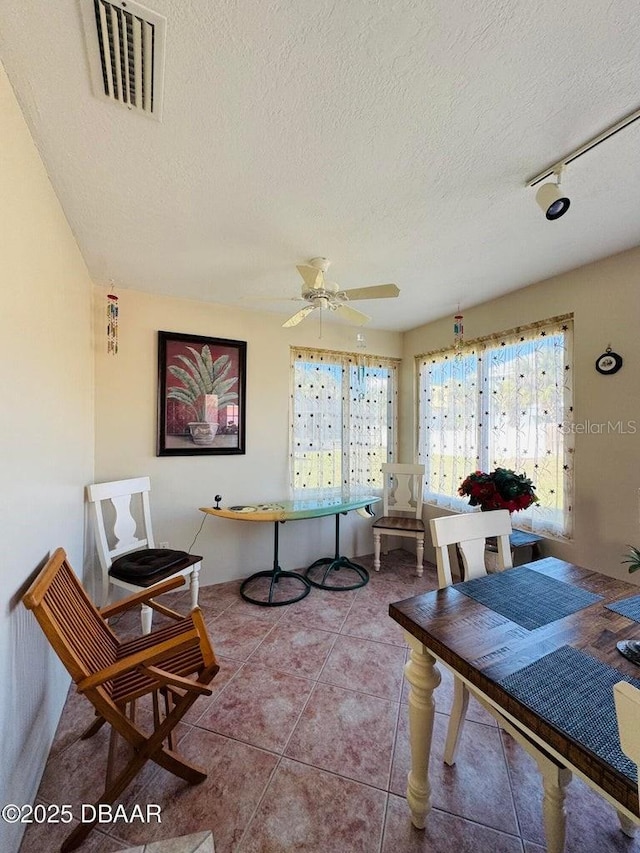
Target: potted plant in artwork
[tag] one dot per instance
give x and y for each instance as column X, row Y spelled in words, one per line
column 500, row 489
column 205, row 389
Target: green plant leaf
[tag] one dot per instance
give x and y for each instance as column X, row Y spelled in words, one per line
column 191, row 369
column 633, row 558
column 205, row 378
column 221, row 388
column 220, row 363
column 189, row 383
column 208, row 362
column 227, row 398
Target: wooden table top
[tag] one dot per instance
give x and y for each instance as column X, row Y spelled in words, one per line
column 291, row 510
column 456, row 628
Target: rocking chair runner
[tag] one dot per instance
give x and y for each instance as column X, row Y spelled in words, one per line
column 113, row 674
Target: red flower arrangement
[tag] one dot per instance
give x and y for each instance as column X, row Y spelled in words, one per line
column 501, row 489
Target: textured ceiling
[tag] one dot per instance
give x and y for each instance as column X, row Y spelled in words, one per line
column 393, row 137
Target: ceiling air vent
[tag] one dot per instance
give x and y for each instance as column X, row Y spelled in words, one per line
column 125, row 44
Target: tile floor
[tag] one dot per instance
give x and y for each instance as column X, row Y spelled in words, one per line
column 305, row 741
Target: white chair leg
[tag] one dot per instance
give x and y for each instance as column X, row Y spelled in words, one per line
column 105, row 591
column 456, row 721
column 195, row 586
column 146, row 616
column 376, row 550
column 627, row 825
column 419, row 556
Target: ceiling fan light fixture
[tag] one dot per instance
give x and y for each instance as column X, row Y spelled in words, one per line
column 326, row 295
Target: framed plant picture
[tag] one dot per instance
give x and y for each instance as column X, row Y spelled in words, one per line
column 201, row 395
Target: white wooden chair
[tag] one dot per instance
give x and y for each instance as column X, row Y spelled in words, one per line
column 627, row 700
column 469, row 532
column 401, row 509
column 127, row 561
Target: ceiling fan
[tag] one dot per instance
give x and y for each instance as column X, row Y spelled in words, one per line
column 326, row 295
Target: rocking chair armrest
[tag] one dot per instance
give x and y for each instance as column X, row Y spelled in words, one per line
column 151, row 655
column 166, row 611
column 172, row 680
column 141, row 597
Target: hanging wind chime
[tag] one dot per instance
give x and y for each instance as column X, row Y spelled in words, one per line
column 112, row 322
column 458, row 332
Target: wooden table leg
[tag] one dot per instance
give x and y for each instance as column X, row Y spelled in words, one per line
column 554, row 782
column 423, row 676
column 627, row 825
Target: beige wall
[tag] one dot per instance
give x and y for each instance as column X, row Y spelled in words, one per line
column 126, row 388
column 46, row 441
column 605, row 300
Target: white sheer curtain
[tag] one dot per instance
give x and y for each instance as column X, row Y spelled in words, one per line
column 504, row 401
column 343, row 422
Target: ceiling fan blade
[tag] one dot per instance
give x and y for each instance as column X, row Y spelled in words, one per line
column 312, row 277
column 377, row 291
column 271, row 299
column 299, row 317
column 353, row 316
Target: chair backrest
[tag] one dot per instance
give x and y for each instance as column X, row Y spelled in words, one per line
column 402, row 489
column 123, row 530
column 469, row 531
column 627, row 701
column 78, row 634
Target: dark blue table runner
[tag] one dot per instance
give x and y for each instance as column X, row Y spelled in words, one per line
column 574, row 692
column 629, row 607
column 527, row 597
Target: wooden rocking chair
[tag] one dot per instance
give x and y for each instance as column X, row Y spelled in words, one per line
column 113, row 674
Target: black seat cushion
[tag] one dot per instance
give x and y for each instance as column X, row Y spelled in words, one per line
column 140, row 566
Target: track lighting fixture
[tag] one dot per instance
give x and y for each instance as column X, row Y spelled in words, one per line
column 552, row 200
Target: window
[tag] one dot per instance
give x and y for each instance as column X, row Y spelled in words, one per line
column 343, row 421
column 502, row 402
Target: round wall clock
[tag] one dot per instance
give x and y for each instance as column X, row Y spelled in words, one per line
column 609, row 362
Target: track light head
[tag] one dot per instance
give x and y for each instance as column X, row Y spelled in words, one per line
column 552, row 200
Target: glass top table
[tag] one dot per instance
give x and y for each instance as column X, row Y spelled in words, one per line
column 275, row 587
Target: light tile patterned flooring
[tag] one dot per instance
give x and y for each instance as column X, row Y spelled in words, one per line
column 305, row 742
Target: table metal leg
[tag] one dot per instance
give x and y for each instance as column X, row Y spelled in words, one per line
column 334, row 564
column 423, row 676
column 268, row 588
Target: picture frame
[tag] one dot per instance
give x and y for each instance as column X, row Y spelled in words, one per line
column 201, row 395
column 609, row 362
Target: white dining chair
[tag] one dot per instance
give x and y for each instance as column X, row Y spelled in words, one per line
column 469, row 532
column 127, row 560
column 401, row 509
column 627, row 702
